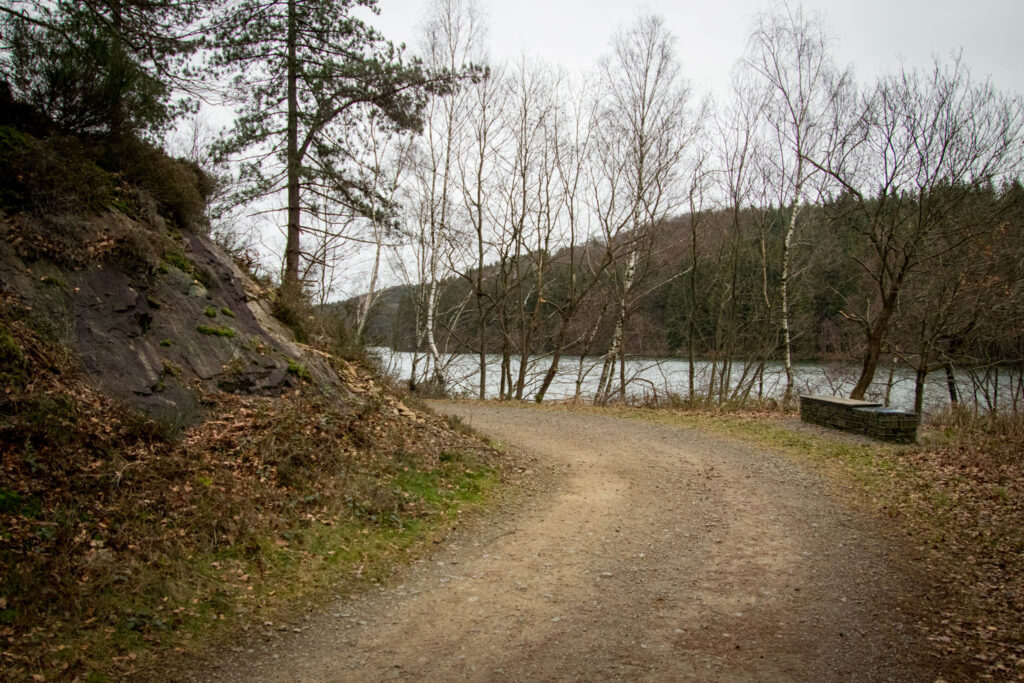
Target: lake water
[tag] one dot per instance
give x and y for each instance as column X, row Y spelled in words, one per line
column 658, row 378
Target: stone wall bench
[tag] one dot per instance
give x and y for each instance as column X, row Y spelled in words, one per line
column 861, row 417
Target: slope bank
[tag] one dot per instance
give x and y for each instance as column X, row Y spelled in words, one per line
column 175, row 466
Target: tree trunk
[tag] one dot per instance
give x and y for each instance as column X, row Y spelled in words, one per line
column 367, row 302
column 481, row 318
column 483, row 355
column 587, row 346
column 118, row 71
column 505, row 391
column 922, row 376
column 290, row 280
column 954, row 393
column 604, row 384
column 604, row 387
column 692, row 323
column 431, row 342
column 889, row 381
column 622, row 364
column 556, row 356
column 784, row 302
column 876, row 335
column 549, row 376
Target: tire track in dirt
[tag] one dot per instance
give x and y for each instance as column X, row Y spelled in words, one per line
column 642, row 552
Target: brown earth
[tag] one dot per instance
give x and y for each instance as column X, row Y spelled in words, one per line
column 634, row 551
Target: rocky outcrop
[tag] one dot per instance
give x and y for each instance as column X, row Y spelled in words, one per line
column 159, row 336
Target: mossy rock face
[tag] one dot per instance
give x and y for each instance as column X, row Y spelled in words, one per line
column 123, row 322
column 178, row 279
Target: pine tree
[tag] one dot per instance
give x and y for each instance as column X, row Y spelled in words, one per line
column 101, row 66
column 302, row 70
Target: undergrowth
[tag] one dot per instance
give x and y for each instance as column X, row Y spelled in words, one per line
column 121, row 543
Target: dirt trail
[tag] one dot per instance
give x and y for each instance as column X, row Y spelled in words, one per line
column 641, row 552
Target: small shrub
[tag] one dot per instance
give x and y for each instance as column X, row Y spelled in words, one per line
column 49, row 176
column 456, row 423
column 166, row 343
column 210, row 312
column 295, row 312
column 299, row 370
column 216, row 330
column 256, row 344
column 135, row 243
column 55, row 281
column 181, row 188
column 178, row 259
column 341, row 342
column 120, row 205
column 432, row 388
column 13, row 364
column 172, row 369
column 10, row 350
column 235, row 366
column 227, row 311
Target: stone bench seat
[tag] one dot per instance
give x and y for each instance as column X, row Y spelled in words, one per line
column 862, row 417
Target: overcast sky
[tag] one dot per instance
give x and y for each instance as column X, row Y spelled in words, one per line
column 872, row 35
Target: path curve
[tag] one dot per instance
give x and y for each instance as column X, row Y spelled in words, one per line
column 643, row 552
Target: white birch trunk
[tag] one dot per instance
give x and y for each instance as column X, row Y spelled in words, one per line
column 604, row 385
column 784, row 300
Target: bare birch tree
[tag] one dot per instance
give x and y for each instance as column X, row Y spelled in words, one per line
column 788, row 55
column 479, row 175
column 644, row 130
column 452, row 36
column 572, row 138
column 382, row 174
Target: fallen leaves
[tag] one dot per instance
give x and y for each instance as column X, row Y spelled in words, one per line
column 119, row 523
column 965, row 499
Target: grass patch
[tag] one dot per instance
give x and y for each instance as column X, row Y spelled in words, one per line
column 216, row 330
column 210, row 312
column 55, row 282
column 299, row 370
column 227, row 311
column 178, row 259
column 10, row 349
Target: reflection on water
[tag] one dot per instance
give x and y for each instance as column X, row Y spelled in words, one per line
column 659, row 378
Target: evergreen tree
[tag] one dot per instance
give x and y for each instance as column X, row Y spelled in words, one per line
column 302, row 70
column 101, row 66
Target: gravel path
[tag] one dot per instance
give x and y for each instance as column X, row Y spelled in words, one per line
column 638, row 551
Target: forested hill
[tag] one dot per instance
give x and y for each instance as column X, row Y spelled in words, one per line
column 964, row 301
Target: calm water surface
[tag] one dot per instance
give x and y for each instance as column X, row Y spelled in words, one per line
column 658, row 378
